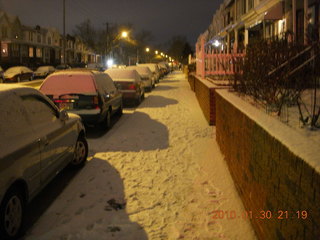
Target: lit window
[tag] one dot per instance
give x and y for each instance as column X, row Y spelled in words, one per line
column 31, row 52
column 39, row 52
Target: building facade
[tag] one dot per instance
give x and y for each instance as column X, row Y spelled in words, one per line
column 35, row 46
column 239, row 22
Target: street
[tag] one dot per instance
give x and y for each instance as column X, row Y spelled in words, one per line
column 156, row 174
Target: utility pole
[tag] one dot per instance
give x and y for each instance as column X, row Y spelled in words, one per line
column 64, row 32
column 107, row 41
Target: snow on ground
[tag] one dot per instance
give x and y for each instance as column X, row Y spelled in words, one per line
column 157, row 174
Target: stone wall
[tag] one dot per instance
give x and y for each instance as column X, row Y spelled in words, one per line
column 274, row 170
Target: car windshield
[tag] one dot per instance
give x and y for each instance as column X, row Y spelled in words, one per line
column 68, row 83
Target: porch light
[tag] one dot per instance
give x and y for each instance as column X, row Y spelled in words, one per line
column 216, row 43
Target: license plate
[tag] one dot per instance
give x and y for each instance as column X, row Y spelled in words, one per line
column 66, row 106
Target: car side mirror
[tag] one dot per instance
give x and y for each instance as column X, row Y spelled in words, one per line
column 63, row 116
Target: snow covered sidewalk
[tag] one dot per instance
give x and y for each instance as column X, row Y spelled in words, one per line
column 157, row 174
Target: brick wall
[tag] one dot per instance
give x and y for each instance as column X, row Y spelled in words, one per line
column 269, row 175
column 205, row 93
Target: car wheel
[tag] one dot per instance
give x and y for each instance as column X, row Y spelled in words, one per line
column 11, row 214
column 138, row 101
column 120, row 110
column 106, row 123
column 80, row 153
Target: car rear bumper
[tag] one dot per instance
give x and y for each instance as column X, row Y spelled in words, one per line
column 89, row 116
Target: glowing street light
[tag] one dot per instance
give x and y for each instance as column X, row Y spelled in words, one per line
column 147, row 49
column 124, row 34
column 156, row 52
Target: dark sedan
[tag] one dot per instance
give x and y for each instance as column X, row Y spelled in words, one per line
column 18, row 74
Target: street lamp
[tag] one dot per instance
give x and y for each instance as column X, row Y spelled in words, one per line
column 147, row 49
column 156, row 52
column 124, row 34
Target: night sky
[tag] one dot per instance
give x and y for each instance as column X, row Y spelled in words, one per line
column 164, row 18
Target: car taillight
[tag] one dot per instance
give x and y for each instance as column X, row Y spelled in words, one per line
column 132, row 87
column 95, row 102
column 63, row 100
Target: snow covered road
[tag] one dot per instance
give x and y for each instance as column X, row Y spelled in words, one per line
column 157, row 174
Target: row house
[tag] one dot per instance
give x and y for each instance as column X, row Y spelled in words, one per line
column 34, row 46
column 239, row 22
column 78, row 52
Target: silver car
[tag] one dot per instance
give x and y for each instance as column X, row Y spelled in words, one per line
column 37, row 141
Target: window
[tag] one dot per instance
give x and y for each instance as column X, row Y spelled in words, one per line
column 40, row 112
column 4, row 32
column 39, row 38
column 15, row 50
column 31, row 36
column 250, row 4
column 244, row 6
column 4, row 50
column 31, row 52
column 39, row 52
column 24, row 51
column 13, row 116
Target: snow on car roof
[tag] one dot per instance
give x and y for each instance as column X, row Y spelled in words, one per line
column 82, row 71
column 69, row 82
column 17, row 69
column 142, row 70
column 152, row 66
column 123, row 74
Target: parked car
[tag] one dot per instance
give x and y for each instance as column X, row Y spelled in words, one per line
column 37, row 141
column 129, row 84
column 146, row 76
column 154, row 69
column 95, row 66
column 18, row 74
column 44, row 71
column 1, row 75
column 63, row 67
column 164, row 68
column 90, row 94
